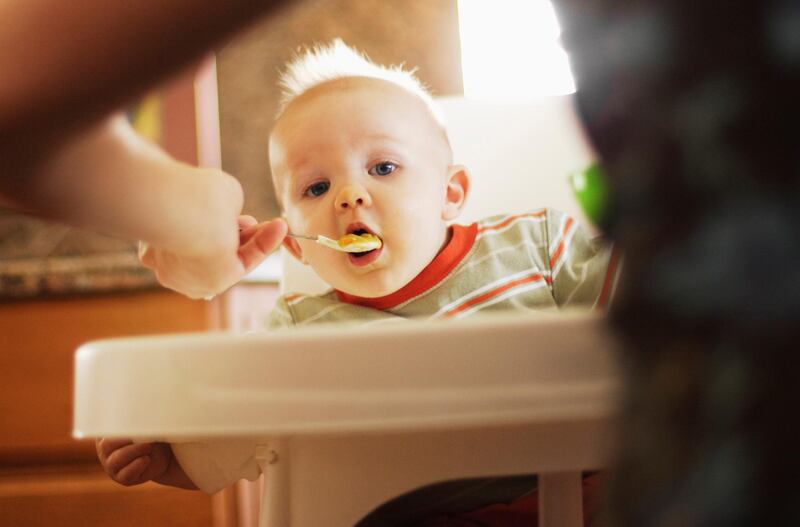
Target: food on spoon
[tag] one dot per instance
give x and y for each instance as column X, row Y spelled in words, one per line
column 349, row 243
column 359, row 243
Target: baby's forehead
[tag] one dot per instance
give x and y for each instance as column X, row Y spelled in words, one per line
column 351, row 83
column 367, row 91
column 360, row 112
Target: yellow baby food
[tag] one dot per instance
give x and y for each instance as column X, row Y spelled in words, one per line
column 357, row 243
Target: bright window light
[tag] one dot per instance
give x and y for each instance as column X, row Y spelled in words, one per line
column 510, row 50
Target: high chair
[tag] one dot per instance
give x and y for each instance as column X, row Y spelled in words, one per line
column 341, row 420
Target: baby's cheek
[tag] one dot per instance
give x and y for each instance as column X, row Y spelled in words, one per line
column 411, row 207
column 318, row 255
column 294, row 221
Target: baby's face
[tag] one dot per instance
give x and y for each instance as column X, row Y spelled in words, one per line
column 362, row 155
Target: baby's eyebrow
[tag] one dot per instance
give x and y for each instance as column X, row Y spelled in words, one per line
column 300, row 165
column 300, row 180
column 384, row 141
column 383, row 138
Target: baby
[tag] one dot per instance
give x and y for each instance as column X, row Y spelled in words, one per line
column 360, row 148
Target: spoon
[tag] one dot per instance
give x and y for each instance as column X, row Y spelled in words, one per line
column 349, row 243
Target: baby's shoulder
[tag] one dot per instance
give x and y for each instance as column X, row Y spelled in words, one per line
column 534, row 223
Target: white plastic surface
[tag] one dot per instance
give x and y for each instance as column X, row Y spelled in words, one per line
column 407, row 375
column 343, row 419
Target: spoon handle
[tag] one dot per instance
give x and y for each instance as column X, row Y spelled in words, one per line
column 303, row 236
column 322, row 240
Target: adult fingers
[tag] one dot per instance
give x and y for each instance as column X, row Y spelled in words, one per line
column 266, row 238
column 146, row 256
column 245, row 221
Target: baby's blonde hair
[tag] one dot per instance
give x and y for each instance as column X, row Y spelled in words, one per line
column 337, row 60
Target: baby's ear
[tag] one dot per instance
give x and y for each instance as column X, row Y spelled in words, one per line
column 294, row 248
column 457, row 191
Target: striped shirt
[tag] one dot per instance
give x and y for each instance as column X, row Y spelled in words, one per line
column 537, row 261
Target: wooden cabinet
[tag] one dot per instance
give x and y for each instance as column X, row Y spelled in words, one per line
column 82, row 495
column 48, row 478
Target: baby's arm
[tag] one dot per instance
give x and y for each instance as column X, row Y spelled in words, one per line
column 130, row 463
column 582, row 268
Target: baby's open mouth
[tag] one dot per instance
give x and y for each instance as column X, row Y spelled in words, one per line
column 360, row 232
column 368, row 238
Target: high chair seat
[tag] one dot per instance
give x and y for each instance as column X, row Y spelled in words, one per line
column 343, row 419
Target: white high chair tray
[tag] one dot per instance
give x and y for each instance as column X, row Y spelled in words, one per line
column 342, row 419
column 399, row 376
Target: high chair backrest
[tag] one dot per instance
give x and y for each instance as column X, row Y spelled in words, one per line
column 518, row 155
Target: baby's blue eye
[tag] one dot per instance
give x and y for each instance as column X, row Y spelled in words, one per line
column 383, row 169
column 317, row 189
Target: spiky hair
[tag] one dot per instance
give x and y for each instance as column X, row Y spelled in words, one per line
column 337, row 60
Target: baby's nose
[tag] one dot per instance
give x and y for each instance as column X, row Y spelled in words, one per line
column 353, row 196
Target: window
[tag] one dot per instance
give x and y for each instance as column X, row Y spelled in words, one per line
column 510, row 50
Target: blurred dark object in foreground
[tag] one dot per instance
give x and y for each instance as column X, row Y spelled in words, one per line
column 694, row 110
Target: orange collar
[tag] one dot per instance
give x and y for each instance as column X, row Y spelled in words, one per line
column 461, row 241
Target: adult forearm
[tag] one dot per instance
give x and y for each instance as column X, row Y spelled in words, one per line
column 68, row 63
column 108, row 179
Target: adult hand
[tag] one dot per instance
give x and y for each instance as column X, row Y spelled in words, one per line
column 203, row 275
column 110, row 180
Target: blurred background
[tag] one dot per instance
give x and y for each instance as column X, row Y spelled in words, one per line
column 692, row 108
column 61, row 287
